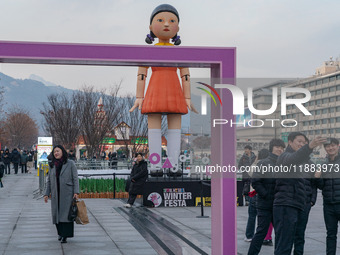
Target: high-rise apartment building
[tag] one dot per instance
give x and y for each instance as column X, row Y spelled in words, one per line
column 324, row 107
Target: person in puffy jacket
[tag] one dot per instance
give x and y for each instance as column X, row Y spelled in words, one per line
column 15, row 159
column 290, row 191
column 138, row 176
column 264, row 185
column 330, row 186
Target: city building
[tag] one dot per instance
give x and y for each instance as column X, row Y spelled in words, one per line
column 324, row 107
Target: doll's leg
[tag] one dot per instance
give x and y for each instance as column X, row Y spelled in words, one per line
column 174, row 138
column 155, row 137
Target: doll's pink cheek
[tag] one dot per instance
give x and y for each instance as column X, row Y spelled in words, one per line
column 157, row 27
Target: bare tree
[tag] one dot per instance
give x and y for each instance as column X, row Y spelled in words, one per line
column 61, row 119
column 3, row 139
column 20, row 129
column 138, row 123
column 138, row 126
column 2, row 131
column 97, row 118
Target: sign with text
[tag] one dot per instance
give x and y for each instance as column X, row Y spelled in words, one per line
column 173, row 193
column 45, row 141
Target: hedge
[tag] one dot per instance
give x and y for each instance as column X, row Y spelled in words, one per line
column 101, row 185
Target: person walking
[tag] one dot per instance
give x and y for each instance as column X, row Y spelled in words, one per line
column 23, row 162
column 290, row 197
column 7, row 161
column 138, row 176
column 63, row 186
column 15, row 159
column 330, row 186
column 264, row 185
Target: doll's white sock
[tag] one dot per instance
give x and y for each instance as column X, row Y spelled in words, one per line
column 174, row 146
column 155, row 146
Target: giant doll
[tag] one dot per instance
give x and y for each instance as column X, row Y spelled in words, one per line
column 165, row 95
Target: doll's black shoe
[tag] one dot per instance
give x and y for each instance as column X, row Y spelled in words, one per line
column 59, row 238
column 64, row 240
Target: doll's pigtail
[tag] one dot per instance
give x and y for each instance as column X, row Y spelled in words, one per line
column 176, row 40
column 150, row 38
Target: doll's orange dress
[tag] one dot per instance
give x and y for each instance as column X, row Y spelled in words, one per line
column 164, row 94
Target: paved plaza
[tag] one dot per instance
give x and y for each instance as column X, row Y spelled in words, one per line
column 26, row 227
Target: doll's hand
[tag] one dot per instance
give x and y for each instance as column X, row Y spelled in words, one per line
column 190, row 105
column 138, row 103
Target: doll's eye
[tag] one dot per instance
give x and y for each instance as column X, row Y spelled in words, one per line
column 160, row 20
column 172, row 21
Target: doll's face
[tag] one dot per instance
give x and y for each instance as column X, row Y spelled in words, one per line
column 164, row 25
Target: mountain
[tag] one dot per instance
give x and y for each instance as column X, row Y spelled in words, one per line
column 29, row 94
column 42, row 80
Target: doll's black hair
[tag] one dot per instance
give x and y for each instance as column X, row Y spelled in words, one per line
column 163, row 8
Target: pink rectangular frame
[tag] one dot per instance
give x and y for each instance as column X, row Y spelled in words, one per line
column 221, row 61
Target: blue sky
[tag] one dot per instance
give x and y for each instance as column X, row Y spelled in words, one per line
column 281, row 38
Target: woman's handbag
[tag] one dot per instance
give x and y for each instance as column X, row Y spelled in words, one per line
column 72, row 215
column 82, row 213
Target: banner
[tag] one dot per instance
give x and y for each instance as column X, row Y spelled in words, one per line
column 44, row 148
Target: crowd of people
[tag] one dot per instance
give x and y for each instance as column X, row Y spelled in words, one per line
column 23, row 158
column 283, row 199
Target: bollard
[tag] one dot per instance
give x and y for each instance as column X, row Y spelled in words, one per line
column 114, row 185
column 202, row 206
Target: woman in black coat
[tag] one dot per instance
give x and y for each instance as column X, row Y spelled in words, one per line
column 138, row 176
